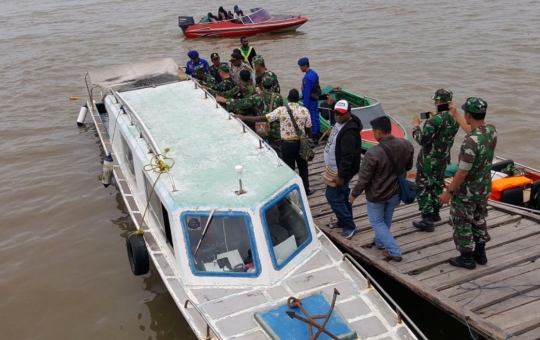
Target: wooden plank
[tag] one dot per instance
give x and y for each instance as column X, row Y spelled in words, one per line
column 519, row 320
column 505, row 305
column 500, row 237
column 411, row 242
column 430, row 257
column 529, row 253
column 501, row 290
column 511, row 210
column 533, row 334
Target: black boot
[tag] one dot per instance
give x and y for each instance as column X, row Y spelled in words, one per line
column 426, row 224
column 315, row 138
column 465, row 260
column 479, row 253
column 435, row 216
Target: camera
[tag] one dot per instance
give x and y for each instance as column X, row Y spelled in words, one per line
column 424, row 115
column 442, row 107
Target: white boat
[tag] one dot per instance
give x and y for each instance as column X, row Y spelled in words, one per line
column 225, row 222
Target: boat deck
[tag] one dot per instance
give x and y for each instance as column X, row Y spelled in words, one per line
column 500, row 300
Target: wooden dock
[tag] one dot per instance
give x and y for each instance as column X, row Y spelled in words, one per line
column 500, row 300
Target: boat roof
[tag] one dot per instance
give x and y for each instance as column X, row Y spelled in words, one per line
column 206, row 146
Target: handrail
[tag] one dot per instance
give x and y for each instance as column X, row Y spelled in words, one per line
column 400, row 313
column 143, row 130
column 208, row 327
column 90, row 89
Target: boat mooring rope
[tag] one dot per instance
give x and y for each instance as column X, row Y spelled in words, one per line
column 160, row 164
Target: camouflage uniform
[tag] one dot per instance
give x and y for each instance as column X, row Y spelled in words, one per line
column 208, row 79
column 275, row 82
column 225, row 84
column 213, row 70
column 468, row 206
column 262, row 104
column 436, row 139
column 239, row 92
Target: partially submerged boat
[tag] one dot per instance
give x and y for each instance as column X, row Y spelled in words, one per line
column 225, row 222
column 259, row 21
column 365, row 108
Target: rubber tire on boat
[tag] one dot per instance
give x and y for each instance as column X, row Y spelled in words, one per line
column 137, row 254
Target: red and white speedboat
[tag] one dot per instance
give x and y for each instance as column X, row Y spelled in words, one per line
column 259, row 21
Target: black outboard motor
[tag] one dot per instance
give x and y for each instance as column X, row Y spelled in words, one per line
column 185, row 22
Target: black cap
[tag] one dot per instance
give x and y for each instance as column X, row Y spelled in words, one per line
column 236, row 56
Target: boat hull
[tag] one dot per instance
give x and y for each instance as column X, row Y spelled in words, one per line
column 230, row 29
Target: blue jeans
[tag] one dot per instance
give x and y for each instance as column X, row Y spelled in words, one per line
column 338, row 198
column 380, row 218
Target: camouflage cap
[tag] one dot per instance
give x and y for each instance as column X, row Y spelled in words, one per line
column 475, row 105
column 442, row 94
column 267, row 80
column 198, row 68
column 224, row 67
column 258, row 59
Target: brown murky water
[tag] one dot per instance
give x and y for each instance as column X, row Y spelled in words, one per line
column 64, row 271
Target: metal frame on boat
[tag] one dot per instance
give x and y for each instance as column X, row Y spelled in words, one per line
column 238, row 249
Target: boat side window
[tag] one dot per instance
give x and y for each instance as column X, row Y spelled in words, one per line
column 286, row 226
column 259, row 15
column 158, row 211
column 220, row 244
column 367, row 114
column 128, row 156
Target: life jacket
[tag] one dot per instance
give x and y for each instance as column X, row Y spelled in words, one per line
column 502, row 184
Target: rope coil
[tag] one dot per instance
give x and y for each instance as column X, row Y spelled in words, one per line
column 159, row 164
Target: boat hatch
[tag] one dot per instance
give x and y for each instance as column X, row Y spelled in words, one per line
column 286, row 226
column 220, row 244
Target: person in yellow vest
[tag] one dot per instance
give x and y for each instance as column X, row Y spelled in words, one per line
column 248, row 52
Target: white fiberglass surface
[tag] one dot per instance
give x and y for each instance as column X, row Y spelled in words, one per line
column 207, row 146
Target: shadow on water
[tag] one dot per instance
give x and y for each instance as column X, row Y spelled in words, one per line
column 167, row 321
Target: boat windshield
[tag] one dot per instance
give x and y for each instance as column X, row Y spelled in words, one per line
column 286, row 226
column 368, row 113
column 226, row 249
column 256, row 16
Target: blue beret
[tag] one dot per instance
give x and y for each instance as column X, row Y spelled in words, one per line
column 303, row 61
column 193, row 54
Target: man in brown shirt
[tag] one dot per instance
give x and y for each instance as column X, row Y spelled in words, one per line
column 378, row 178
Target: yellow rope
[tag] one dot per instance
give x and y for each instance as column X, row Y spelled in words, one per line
column 159, row 166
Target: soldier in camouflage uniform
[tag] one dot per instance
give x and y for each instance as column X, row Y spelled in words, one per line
column 260, row 69
column 436, row 139
column 214, row 68
column 469, row 191
column 243, row 90
column 203, row 78
column 226, row 83
column 263, row 103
